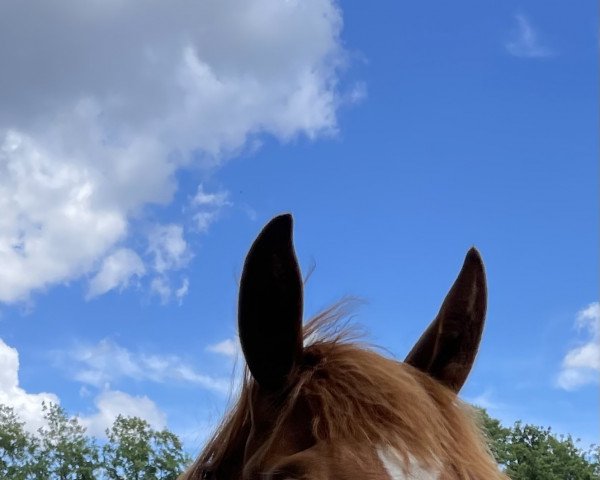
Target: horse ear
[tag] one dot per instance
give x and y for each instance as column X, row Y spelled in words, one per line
column 447, row 349
column 270, row 305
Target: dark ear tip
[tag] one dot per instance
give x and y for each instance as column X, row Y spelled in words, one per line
column 280, row 223
column 283, row 220
column 473, row 257
column 278, row 231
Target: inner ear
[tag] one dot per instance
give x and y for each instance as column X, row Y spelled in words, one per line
column 447, row 349
column 270, row 305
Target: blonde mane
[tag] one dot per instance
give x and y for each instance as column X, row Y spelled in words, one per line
column 362, row 399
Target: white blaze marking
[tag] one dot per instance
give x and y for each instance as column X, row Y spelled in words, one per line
column 394, row 465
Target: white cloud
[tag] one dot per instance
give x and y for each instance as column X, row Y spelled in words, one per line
column 116, row 271
column 52, row 225
column 204, row 220
column 27, row 405
column 107, row 362
column 525, row 41
column 170, row 251
column 182, row 291
column 206, row 199
column 95, row 125
column 589, row 317
column 208, row 206
column 581, row 364
column 112, row 403
column 109, row 403
column 161, row 287
column 228, row 347
column 168, row 248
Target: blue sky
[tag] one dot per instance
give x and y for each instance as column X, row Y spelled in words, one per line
column 142, row 148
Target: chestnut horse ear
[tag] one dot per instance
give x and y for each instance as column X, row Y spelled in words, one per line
column 447, row 349
column 270, row 305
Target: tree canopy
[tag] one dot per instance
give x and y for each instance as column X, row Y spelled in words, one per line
column 133, row 450
column 62, row 450
column 529, row 452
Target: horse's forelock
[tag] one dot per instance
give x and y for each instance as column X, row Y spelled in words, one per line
column 359, row 397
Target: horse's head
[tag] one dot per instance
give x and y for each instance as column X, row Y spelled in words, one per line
column 325, row 408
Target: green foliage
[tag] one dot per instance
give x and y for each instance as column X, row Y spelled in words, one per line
column 17, row 447
column 137, row 452
column 528, row 452
column 61, row 450
column 66, row 452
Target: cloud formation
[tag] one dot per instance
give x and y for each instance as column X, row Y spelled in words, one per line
column 117, row 271
column 103, row 102
column 27, row 405
column 525, row 41
column 207, row 207
column 112, row 403
column 168, row 248
column 107, row 362
column 581, row 364
column 109, row 403
column 228, row 348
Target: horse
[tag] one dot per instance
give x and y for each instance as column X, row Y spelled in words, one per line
column 315, row 403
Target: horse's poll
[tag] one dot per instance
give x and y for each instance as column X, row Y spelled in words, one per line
column 317, row 404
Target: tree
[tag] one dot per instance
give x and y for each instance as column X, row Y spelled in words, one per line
column 17, row 447
column 135, row 451
column 66, row 452
column 528, row 452
column 538, row 454
column 169, row 457
column 497, row 436
column 62, row 450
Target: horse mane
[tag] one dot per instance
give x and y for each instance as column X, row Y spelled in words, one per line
column 359, row 397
